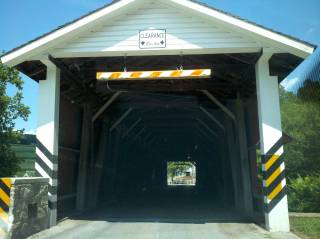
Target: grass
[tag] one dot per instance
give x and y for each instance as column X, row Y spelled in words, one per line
column 306, row 227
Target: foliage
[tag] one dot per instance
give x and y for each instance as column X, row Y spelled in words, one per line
column 173, row 167
column 304, row 194
column 301, row 121
column 306, row 227
column 11, row 108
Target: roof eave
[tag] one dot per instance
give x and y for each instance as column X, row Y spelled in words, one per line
column 38, row 46
column 27, row 51
column 293, row 46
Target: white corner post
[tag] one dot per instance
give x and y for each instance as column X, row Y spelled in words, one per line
column 47, row 134
column 274, row 182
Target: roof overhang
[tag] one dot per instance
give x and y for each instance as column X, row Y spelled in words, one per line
column 291, row 45
column 23, row 53
column 26, row 52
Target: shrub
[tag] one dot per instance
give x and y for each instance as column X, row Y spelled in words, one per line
column 304, row 194
column 9, row 163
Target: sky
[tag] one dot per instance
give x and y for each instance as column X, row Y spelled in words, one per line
column 23, row 20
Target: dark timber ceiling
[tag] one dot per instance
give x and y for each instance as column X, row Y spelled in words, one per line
column 163, row 117
column 233, row 75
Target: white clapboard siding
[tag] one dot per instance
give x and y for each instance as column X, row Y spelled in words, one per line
column 184, row 31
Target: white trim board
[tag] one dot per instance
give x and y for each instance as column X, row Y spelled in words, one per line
column 36, row 48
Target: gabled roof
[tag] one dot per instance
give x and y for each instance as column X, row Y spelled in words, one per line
column 20, row 54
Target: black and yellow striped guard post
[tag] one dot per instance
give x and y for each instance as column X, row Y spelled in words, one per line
column 274, row 184
column 5, row 188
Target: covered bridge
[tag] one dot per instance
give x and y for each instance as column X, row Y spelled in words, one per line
column 137, row 84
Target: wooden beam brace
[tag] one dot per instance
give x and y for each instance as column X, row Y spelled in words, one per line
column 202, row 139
column 70, row 75
column 151, row 140
column 203, row 133
column 147, row 137
column 133, row 126
column 139, row 133
column 106, row 105
column 74, row 79
column 223, row 108
column 120, row 119
column 212, row 117
column 207, row 127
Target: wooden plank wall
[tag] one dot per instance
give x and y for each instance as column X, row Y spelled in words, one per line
column 69, row 145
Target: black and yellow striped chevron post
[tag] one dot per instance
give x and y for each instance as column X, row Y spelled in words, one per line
column 274, row 181
column 5, row 188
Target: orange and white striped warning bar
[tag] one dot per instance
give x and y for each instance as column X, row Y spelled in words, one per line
column 154, row 75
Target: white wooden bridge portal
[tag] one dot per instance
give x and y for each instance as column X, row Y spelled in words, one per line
column 139, row 83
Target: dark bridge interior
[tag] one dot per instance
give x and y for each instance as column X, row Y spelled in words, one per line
column 135, row 139
column 171, row 127
column 119, row 162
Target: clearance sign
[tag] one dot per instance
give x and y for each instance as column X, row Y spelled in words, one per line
column 152, row 38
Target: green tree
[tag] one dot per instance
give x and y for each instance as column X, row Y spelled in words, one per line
column 304, row 194
column 173, row 167
column 11, row 109
column 301, row 120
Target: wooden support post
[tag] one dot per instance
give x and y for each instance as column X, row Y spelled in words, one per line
column 244, row 158
column 97, row 166
column 84, row 158
column 233, row 153
column 115, row 157
column 225, row 171
column 47, row 134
